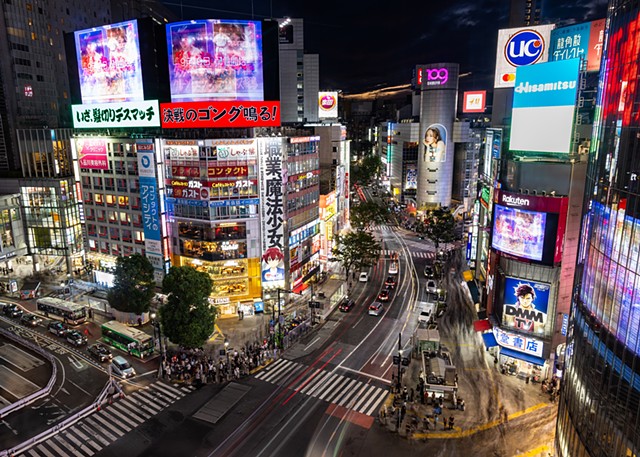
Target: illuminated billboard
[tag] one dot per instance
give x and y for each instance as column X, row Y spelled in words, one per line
column 520, row 47
column 525, row 304
column 579, row 41
column 544, row 103
column 411, row 180
column 327, row 105
column 92, row 153
column 272, row 178
column 474, row 102
column 116, row 114
column 220, row 114
column 530, row 227
column 108, row 59
column 215, row 59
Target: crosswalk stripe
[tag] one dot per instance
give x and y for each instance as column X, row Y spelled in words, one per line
column 126, row 418
column 79, row 445
column 377, row 401
column 53, row 444
column 135, row 415
column 280, row 374
column 110, row 419
column 330, row 393
column 142, row 403
column 92, row 432
column 370, row 398
column 42, row 448
column 353, row 394
column 363, row 396
column 154, row 398
column 341, row 393
column 310, row 381
column 95, row 424
column 87, row 440
column 165, row 391
column 271, row 369
column 129, row 403
column 33, row 452
column 180, row 390
column 103, row 420
column 322, row 382
column 334, row 380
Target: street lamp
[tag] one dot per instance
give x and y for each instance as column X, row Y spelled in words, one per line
column 156, row 328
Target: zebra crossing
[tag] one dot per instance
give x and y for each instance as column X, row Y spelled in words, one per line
column 326, row 385
column 384, row 228
column 415, row 254
column 95, row 432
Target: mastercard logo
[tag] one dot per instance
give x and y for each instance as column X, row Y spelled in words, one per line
column 328, row 102
column 508, row 77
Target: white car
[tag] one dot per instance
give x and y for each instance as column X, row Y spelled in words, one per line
column 364, row 277
column 121, row 367
column 376, row 308
column 432, row 288
column 393, row 268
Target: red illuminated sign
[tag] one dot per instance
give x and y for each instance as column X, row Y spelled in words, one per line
column 195, row 115
column 187, row 172
column 474, row 102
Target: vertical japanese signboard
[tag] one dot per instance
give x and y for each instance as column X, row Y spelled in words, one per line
column 272, row 178
column 149, row 200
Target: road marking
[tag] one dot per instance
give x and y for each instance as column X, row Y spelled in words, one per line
column 535, row 452
column 358, row 321
column 312, row 343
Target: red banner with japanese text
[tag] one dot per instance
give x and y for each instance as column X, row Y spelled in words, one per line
column 215, row 114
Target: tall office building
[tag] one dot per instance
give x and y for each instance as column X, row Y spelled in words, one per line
column 525, row 12
column 299, row 75
column 599, row 412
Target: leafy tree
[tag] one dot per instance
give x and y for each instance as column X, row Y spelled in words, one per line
column 439, row 226
column 356, row 250
column 133, row 285
column 368, row 213
column 369, row 169
column 187, row 318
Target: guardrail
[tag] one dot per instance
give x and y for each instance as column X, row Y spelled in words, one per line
column 38, row 394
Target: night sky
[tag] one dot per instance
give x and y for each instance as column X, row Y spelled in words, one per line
column 368, row 44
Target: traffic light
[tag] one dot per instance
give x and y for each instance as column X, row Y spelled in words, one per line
column 396, row 359
column 405, row 361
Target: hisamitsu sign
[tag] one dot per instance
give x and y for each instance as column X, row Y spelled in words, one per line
column 194, row 115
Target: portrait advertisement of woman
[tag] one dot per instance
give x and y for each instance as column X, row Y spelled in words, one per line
column 435, row 143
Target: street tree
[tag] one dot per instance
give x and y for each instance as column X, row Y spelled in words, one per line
column 187, row 318
column 133, row 285
column 368, row 170
column 356, row 250
column 439, row 226
column 368, row 213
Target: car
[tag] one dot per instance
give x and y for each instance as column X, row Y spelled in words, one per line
column 442, row 296
column 12, row 310
column 58, row 328
column 384, row 295
column 100, row 352
column 364, row 277
column 429, row 273
column 376, row 308
column 76, row 338
column 346, row 305
column 390, row 282
column 121, row 367
column 431, row 288
column 30, row 319
column 393, row 268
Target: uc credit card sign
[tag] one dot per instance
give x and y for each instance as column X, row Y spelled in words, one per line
column 544, row 101
column 520, row 47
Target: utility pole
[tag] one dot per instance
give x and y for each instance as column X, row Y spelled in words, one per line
column 399, row 360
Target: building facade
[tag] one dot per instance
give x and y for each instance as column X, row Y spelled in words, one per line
column 599, row 410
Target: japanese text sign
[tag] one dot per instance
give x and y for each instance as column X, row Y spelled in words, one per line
column 221, row 114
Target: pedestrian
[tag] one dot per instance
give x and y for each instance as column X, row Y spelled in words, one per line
column 411, row 393
column 451, row 422
column 404, row 393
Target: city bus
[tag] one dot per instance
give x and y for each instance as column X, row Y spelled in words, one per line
column 127, row 339
column 71, row 313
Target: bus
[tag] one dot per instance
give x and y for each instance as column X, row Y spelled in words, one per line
column 127, row 339
column 71, row 313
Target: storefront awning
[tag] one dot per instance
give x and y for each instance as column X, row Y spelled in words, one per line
column 521, row 356
column 482, row 325
column 489, row 340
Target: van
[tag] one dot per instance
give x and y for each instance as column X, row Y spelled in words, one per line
column 427, row 312
column 121, row 367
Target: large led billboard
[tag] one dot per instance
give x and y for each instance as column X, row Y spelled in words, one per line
column 109, row 66
column 525, row 304
column 327, row 105
column 544, row 103
column 520, row 47
column 215, row 59
column 579, row 41
column 530, row 227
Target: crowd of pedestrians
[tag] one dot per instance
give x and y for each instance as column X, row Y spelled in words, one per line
column 194, row 366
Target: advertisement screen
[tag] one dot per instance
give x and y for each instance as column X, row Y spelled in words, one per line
column 435, row 144
column 474, row 102
column 109, row 63
column 544, row 102
column 92, row 153
column 579, row 41
column 519, row 232
column 526, row 304
column 412, row 178
column 520, row 47
column 215, row 60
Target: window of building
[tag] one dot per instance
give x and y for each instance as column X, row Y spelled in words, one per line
column 29, row 7
column 34, row 36
column 98, row 199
